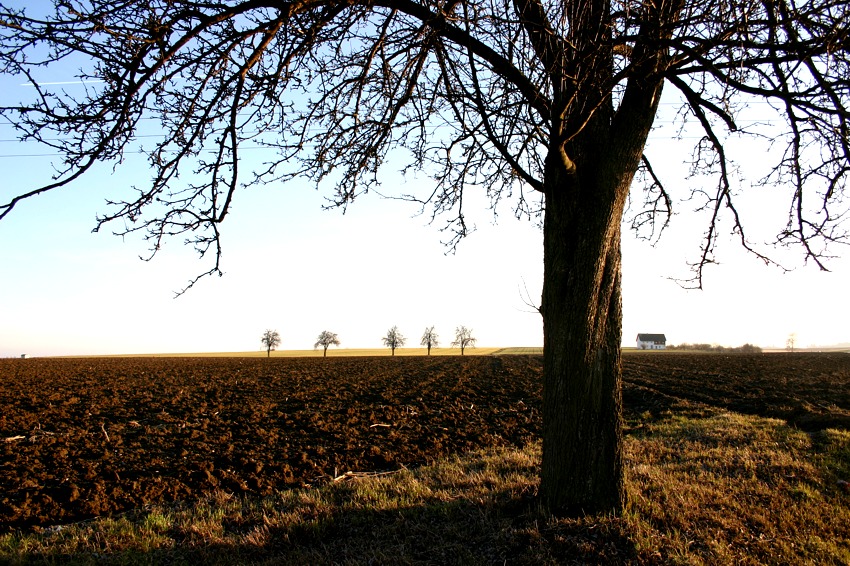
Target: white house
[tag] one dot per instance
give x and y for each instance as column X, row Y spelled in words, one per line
column 651, row 341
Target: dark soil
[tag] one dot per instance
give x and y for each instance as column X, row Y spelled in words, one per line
column 811, row 391
column 93, row 436
column 88, row 437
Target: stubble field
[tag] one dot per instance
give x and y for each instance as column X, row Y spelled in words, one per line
column 94, row 436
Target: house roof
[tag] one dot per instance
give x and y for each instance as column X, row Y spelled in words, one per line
column 652, row 338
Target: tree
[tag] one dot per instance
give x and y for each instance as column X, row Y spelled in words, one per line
column 549, row 102
column 270, row 341
column 394, row 339
column 430, row 339
column 463, row 339
column 791, row 342
column 324, row 340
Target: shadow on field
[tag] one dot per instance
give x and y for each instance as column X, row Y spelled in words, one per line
column 505, row 528
column 646, row 404
column 643, row 405
column 457, row 532
column 641, row 402
column 810, row 391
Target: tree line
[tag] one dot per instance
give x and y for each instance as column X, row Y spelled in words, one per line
column 392, row 340
column 745, row 349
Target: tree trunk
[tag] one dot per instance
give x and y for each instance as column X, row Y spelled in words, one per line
column 582, row 431
column 586, row 180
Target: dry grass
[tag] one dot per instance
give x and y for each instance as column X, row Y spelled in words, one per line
column 730, row 489
column 706, row 488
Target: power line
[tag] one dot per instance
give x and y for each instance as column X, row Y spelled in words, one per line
column 136, row 152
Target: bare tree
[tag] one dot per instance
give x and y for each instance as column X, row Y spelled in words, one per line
column 326, row 339
column 430, row 339
column 791, row 342
column 394, row 339
column 544, row 101
column 463, row 339
column 270, row 340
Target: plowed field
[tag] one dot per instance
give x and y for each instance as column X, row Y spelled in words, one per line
column 809, row 390
column 87, row 437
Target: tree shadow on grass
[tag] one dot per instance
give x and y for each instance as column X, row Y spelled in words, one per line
column 643, row 404
column 503, row 531
column 462, row 516
column 808, row 391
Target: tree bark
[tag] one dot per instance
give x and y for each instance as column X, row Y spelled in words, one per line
column 593, row 155
column 582, row 430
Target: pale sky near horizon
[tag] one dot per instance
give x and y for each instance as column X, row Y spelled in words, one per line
column 293, row 267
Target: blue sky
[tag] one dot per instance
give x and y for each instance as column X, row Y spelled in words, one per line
column 291, row 266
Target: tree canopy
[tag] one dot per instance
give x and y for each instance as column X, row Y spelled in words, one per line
column 472, row 91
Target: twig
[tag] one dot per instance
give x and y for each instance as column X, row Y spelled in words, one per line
column 363, row 475
column 14, row 438
column 382, row 425
column 103, row 428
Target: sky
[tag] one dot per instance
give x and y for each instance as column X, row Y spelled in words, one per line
column 292, row 266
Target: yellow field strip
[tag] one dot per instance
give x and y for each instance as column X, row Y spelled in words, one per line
column 528, row 351
column 361, row 352
column 332, row 353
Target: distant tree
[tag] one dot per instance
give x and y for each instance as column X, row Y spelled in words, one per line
column 324, row 340
column 394, row 339
column 270, row 340
column 791, row 342
column 700, row 347
column 430, row 339
column 463, row 339
column 746, row 348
